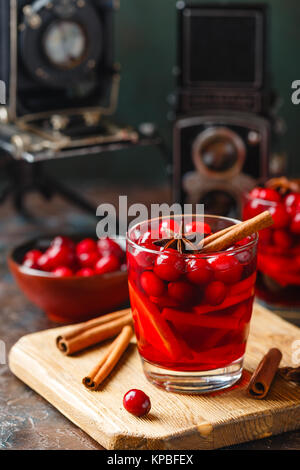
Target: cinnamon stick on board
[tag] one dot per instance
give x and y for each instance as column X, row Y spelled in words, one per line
column 264, row 374
column 92, row 332
column 291, row 374
column 239, row 231
column 109, row 359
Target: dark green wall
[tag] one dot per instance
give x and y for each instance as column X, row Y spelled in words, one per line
column 145, row 47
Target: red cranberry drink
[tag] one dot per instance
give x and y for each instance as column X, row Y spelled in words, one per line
column 191, row 310
column 278, row 260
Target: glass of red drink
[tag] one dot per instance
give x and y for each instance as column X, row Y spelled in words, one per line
column 278, row 259
column 191, row 311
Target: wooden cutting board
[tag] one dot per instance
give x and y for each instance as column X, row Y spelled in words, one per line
column 176, row 421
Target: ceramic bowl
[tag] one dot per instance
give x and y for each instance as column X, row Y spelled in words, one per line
column 70, row 299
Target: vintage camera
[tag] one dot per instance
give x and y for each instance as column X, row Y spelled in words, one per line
column 223, row 128
column 218, row 157
column 57, row 63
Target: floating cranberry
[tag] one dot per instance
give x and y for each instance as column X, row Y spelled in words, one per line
column 255, row 193
column 282, row 238
column 60, row 255
column 249, row 268
column 280, row 216
column 30, row 263
column 215, row 293
column 107, row 264
column 152, row 284
column 145, row 259
column 148, row 244
column 197, row 227
column 107, row 246
column 243, row 242
column 146, row 238
column 137, row 402
column 295, row 224
column 166, row 225
column 270, row 195
column 292, row 203
column 85, row 272
column 267, row 194
column 244, row 257
column 61, row 240
column 182, row 291
column 88, row 245
column 253, row 208
column 62, row 271
column 227, row 269
column 44, row 262
column 296, row 247
column 33, row 255
column 131, row 262
column 199, row 271
column 88, row 260
column 135, row 235
column 169, row 267
column 265, row 236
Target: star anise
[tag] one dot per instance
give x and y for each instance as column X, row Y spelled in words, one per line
column 178, row 240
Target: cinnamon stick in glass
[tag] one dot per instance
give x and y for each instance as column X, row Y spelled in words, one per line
column 238, row 232
column 92, row 332
column 264, row 374
column 214, row 236
column 109, row 359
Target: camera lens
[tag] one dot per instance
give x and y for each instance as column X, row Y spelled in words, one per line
column 218, row 153
column 65, row 43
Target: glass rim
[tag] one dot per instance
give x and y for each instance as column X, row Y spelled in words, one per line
column 233, row 251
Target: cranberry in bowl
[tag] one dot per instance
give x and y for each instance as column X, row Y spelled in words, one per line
column 72, row 278
column 278, row 259
column 191, row 310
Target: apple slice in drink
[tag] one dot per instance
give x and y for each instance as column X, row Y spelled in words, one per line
column 156, row 329
column 230, row 301
column 211, row 320
column 242, row 286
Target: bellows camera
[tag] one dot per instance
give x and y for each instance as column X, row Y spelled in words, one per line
column 58, row 66
column 222, row 131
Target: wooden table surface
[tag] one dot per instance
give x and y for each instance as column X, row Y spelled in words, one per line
column 27, row 421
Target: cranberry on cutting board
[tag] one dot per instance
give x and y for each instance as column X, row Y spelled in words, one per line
column 137, row 402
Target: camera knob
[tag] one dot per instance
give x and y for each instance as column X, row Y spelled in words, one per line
column 21, row 143
column 254, row 138
column 32, row 18
column 3, row 115
column 147, row 129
